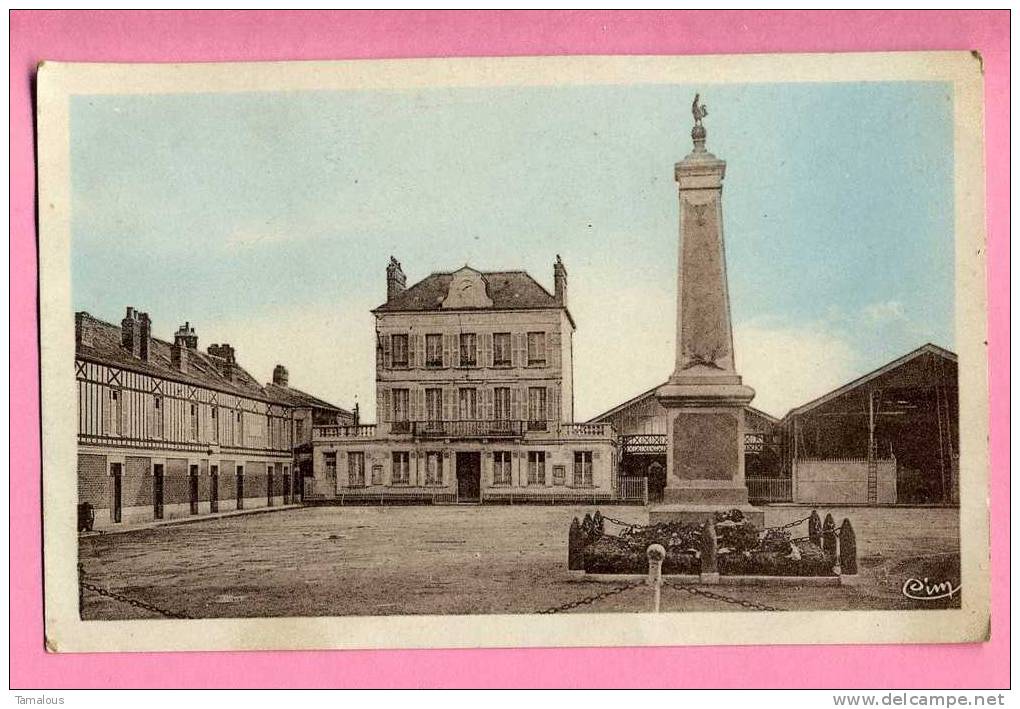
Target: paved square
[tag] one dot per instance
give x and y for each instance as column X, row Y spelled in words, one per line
column 451, row 560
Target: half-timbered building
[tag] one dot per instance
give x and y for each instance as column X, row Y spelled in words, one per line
column 166, row 430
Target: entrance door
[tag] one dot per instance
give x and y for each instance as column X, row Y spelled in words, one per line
column 469, row 477
column 214, row 488
column 157, row 491
column 116, row 471
column 193, row 489
column 240, row 487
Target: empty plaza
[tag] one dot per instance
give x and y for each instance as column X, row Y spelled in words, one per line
column 342, row 561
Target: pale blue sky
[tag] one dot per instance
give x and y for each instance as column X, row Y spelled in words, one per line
column 267, row 219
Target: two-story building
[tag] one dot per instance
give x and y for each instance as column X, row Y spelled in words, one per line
column 474, row 398
column 166, row 430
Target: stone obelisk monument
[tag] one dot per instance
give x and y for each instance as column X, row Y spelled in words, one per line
column 704, row 398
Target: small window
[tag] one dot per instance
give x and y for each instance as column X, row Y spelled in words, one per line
column 559, row 475
column 377, row 477
column 468, row 349
column 157, row 402
column 536, row 349
column 501, row 353
column 536, row 467
column 299, row 428
column 582, row 469
column 329, row 461
column 501, row 469
column 401, row 468
column 398, row 344
column 434, row 468
column 434, row 350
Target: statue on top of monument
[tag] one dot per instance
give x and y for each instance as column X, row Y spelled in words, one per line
column 698, row 109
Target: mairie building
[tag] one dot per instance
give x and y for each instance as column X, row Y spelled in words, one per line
column 166, row 430
column 474, row 399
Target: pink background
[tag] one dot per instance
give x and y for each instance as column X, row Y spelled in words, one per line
column 189, row 36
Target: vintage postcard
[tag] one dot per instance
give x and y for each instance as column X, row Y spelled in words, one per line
column 481, row 353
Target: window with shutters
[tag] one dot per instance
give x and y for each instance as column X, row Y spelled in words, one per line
column 434, row 405
column 434, row 468
column 536, row 349
column 401, row 411
column 582, row 469
column 401, row 468
column 468, row 402
column 501, row 402
column 433, row 350
column 536, row 467
column 537, row 408
column 398, row 348
column 501, row 469
column 356, row 469
column 468, row 349
column 501, row 353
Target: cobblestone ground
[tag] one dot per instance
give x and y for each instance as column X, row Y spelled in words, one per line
column 454, row 560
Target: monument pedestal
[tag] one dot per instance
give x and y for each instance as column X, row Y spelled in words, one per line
column 705, row 450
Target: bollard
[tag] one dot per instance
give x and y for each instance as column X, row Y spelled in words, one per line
column 656, row 553
column 829, row 537
column 575, row 545
column 709, row 553
column 814, row 529
column 847, row 549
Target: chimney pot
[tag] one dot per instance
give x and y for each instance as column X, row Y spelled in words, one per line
column 280, row 376
column 560, row 281
column 396, row 281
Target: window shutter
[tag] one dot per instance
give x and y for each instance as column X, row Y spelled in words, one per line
column 412, row 341
column 487, row 409
column 387, row 352
column 552, row 349
column 455, row 349
column 486, row 357
column 449, row 405
column 384, row 405
column 420, row 350
column 552, row 403
column 520, row 349
column 517, row 414
column 447, row 354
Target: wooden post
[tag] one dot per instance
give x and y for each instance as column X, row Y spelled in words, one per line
column 575, row 547
column 709, row 553
column 656, row 553
column 847, row 549
column 814, row 529
column 829, row 537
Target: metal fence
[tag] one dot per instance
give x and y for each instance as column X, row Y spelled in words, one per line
column 634, row 490
column 770, row 489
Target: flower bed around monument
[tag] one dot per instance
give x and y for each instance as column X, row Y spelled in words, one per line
column 731, row 546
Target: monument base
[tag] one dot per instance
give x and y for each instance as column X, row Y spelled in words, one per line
column 699, row 514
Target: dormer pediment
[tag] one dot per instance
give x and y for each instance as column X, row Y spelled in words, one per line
column 467, row 290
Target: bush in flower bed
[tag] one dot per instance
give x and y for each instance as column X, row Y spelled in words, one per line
column 742, row 549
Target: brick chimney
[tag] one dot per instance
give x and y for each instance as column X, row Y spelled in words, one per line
column 396, row 281
column 145, row 341
column 131, row 332
column 560, row 281
column 225, row 359
column 280, row 376
column 185, row 340
column 83, row 329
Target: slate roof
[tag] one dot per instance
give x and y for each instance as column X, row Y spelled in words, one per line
column 297, row 398
column 202, row 368
column 509, row 290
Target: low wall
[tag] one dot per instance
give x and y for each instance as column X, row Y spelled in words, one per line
column 842, row 481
